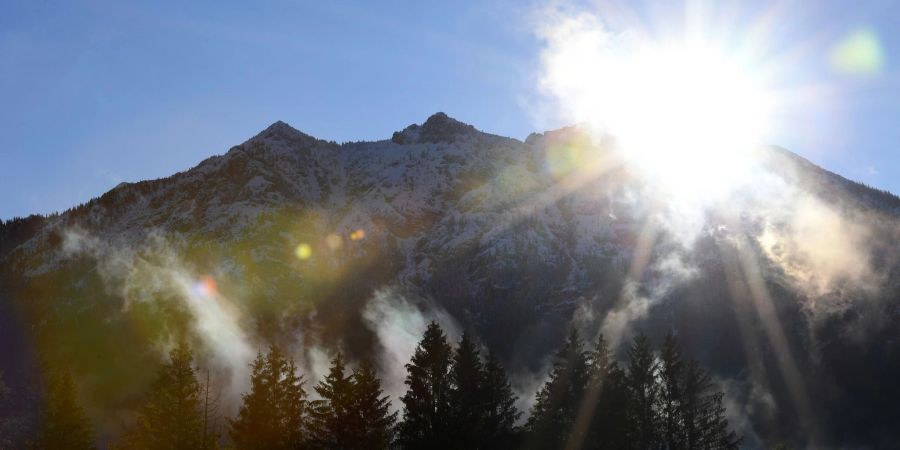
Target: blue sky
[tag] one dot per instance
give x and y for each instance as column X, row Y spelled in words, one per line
column 99, row 92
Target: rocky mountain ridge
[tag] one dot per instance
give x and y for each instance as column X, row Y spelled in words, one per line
column 512, row 239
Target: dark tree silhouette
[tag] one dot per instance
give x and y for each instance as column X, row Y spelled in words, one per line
column 426, row 403
column 704, row 422
column 605, row 405
column 353, row 413
column 659, row 402
column 292, row 406
column 255, row 427
column 644, row 390
column 466, row 414
column 333, row 415
column 172, row 417
column 272, row 415
column 498, row 407
column 61, row 420
column 671, row 392
column 558, row 401
column 372, row 424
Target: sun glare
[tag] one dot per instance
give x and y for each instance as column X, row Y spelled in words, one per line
column 693, row 121
column 687, row 115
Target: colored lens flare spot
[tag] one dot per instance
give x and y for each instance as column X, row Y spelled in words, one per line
column 358, row 235
column 859, row 53
column 206, row 286
column 333, row 241
column 303, row 251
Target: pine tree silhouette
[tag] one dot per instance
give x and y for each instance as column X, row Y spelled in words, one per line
column 498, row 404
column 172, row 417
column 671, row 379
column 272, row 415
column 333, row 414
column 62, row 423
column 255, row 425
column 373, row 423
column 644, row 390
column 292, row 407
column 426, row 403
column 605, row 404
column 558, row 401
column 353, row 413
column 466, row 413
column 705, row 425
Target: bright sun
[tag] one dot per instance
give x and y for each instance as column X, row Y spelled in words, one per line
column 688, row 115
column 690, row 118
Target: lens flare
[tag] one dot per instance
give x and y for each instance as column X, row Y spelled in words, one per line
column 206, row 287
column 859, row 53
column 358, row 235
column 303, row 251
column 333, row 241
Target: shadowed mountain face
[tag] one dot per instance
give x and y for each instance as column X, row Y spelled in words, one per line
column 786, row 291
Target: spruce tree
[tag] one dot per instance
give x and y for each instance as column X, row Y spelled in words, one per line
column 466, row 419
column 172, row 417
column 703, row 412
column 272, row 415
column 333, row 414
column 255, row 425
column 671, row 371
column 426, row 403
column 557, row 403
column 614, row 428
column 372, row 426
column 609, row 424
column 61, row 420
column 644, row 390
column 292, row 407
column 498, row 406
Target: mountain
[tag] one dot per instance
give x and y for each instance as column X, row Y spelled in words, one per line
column 787, row 290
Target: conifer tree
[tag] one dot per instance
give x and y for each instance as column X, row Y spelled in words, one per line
column 426, row 403
column 353, row 413
column 61, row 420
column 558, row 401
column 292, row 407
column 498, row 404
column 255, row 425
column 272, row 415
column 644, row 390
column 333, row 414
column 372, row 426
column 172, row 416
column 466, row 411
column 671, row 371
column 705, row 425
column 609, row 424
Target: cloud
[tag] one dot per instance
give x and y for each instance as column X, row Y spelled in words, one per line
column 399, row 323
column 642, row 291
column 152, row 270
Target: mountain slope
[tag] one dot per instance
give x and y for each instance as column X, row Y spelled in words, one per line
column 512, row 239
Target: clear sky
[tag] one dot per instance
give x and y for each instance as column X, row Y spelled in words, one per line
column 99, row 92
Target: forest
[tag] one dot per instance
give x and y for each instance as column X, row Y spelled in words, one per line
column 457, row 398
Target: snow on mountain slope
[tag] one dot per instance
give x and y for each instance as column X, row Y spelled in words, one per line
column 510, row 238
